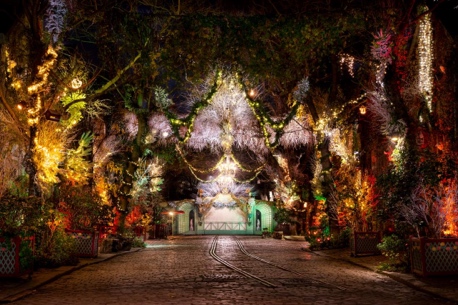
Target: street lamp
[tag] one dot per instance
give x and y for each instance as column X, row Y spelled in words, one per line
column 171, row 214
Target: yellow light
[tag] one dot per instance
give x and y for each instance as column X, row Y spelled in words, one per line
column 252, row 93
column 16, row 84
column 21, row 105
column 362, row 110
column 349, row 61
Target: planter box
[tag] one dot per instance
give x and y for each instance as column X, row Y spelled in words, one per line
column 16, row 256
column 365, row 243
column 87, row 242
column 431, row 256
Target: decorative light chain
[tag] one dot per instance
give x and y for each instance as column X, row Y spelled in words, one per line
column 36, row 87
column 240, row 166
column 202, row 171
column 264, row 119
column 425, row 59
column 247, row 180
column 188, row 122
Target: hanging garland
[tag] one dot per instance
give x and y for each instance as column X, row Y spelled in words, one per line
column 264, row 119
column 202, row 171
column 202, row 180
column 192, row 169
column 259, row 112
column 188, row 122
column 247, row 180
column 241, row 167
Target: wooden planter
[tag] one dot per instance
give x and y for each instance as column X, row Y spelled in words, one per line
column 16, row 256
column 365, row 243
column 87, row 242
column 434, row 256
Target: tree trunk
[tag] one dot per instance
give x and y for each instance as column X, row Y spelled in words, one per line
column 129, row 170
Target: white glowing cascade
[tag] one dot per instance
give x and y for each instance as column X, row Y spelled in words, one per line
column 425, row 59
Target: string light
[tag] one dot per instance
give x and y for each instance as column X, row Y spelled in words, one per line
column 194, row 169
column 349, row 61
column 43, row 71
column 425, row 59
column 188, row 122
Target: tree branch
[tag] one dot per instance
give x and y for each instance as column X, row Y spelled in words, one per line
column 116, row 78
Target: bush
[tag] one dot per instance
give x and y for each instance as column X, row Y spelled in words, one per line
column 322, row 240
column 395, row 248
column 19, row 216
column 56, row 250
column 138, row 243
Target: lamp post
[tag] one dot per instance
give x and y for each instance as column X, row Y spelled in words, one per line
column 171, row 214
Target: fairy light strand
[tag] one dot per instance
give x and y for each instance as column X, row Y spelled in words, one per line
column 425, row 59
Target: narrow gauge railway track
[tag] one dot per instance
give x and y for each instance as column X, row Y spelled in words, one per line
column 266, row 283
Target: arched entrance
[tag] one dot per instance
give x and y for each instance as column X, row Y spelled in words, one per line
column 192, row 221
column 263, row 210
column 226, row 220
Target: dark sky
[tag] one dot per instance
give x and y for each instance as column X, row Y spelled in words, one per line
column 447, row 12
column 8, row 10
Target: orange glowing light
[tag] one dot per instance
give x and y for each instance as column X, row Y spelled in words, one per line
column 450, row 211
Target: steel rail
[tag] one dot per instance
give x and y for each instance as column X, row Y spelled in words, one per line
column 244, row 251
column 230, row 266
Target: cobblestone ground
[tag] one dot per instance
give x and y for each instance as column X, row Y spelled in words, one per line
column 181, row 271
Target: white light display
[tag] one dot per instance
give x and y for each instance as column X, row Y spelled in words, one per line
column 425, row 59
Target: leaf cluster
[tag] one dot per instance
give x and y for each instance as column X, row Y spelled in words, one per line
column 19, row 216
column 397, row 184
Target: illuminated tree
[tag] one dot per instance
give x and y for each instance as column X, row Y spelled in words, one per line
column 48, row 83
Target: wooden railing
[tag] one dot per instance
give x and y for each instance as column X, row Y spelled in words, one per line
column 225, row 226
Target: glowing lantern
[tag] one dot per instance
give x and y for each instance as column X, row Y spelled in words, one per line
column 76, row 83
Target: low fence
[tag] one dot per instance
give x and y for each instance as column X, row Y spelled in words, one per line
column 365, row 243
column 434, row 256
column 16, row 256
column 87, row 242
column 224, row 228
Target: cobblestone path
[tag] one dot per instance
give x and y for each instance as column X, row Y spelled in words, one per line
column 181, row 271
